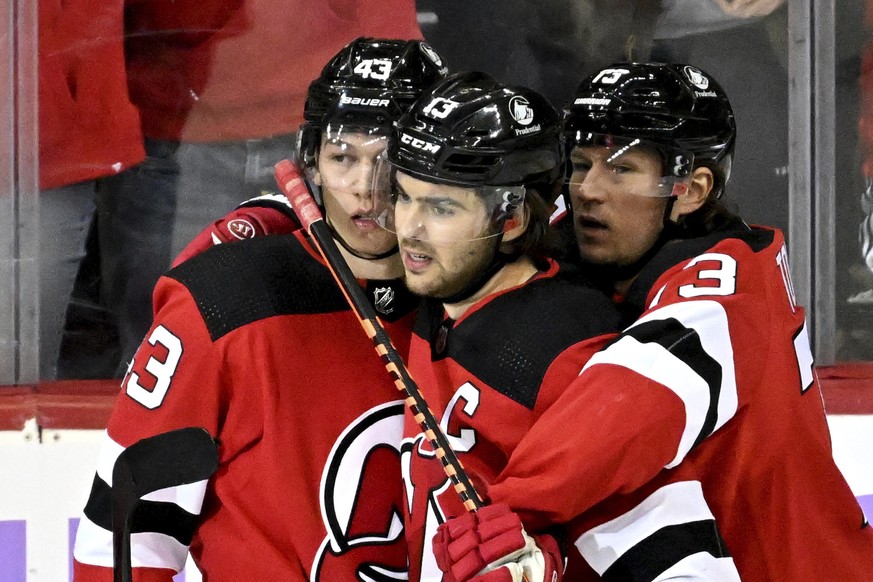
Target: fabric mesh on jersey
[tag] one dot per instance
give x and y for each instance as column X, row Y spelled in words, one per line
column 511, row 341
column 239, row 283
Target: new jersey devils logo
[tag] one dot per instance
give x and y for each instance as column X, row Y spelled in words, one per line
column 430, row 496
column 361, row 502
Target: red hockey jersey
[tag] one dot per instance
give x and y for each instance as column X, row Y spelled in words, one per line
column 695, row 446
column 487, row 377
column 254, row 342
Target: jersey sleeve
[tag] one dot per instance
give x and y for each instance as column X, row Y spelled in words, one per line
column 174, row 381
column 640, row 405
column 260, row 216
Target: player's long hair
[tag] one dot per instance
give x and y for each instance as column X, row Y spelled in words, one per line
column 540, row 241
column 712, row 215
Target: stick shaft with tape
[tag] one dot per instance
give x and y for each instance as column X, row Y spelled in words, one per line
column 297, row 191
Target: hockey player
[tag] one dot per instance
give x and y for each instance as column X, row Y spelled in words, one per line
column 254, row 342
column 504, row 327
column 694, row 447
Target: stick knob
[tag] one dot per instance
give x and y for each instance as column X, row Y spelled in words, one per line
column 291, row 182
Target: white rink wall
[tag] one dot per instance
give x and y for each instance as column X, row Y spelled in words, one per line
column 44, row 486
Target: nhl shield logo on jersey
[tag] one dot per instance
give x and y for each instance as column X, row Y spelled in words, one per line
column 383, row 299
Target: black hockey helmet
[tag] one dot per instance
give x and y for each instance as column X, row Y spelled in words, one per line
column 678, row 109
column 470, row 130
column 368, row 84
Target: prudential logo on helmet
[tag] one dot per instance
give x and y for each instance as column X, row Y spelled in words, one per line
column 521, row 111
column 697, row 78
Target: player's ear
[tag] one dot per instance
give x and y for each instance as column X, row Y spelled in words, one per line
column 694, row 193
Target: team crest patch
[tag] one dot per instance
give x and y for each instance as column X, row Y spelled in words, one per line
column 384, row 299
column 241, row 228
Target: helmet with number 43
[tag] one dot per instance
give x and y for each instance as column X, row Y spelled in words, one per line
column 364, row 89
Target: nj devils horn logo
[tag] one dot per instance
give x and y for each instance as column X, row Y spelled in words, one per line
column 361, row 502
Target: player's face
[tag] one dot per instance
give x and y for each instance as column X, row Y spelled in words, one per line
column 617, row 212
column 444, row 233
column 345, row 173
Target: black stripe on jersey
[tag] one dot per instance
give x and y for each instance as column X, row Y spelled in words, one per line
column 149, row 516
column 684, row 343
column 99, row 506
column 239, row 283
column 669, row 545
column 510, row 342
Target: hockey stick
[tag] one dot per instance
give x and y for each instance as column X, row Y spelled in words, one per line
column 297, row 191
column 168, row 459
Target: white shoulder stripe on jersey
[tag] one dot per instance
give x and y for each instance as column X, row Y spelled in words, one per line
column 805, row 359
column 654, row 362
column 702, row 567
column 109, row 451
column 93, row 544
column 673, row 504
column 148, row 550
column 188, row 497
column 268, row 197
column 708, row 320
column 155, row 550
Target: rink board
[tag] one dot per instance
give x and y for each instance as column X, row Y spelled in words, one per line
column 43, row 496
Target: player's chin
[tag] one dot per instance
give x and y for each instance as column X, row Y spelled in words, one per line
column 376, row 243
column 419, row 283
column 596, row 254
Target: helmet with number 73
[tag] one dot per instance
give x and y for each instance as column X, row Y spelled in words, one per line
column 678, row 110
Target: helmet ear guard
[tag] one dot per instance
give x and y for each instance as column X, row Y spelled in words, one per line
column 308, row 138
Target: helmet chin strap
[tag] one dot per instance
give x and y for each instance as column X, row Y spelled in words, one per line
column 498, row 261
column 367, row 257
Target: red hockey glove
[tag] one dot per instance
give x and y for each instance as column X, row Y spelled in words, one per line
column 492, row 546
column 261, row 216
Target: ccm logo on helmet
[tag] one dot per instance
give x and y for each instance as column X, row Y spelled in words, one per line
column 419, row 144
column 368, row 102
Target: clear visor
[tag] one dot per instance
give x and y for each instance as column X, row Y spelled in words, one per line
column 347, row 160
column 631, row 166
column 442, row 214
